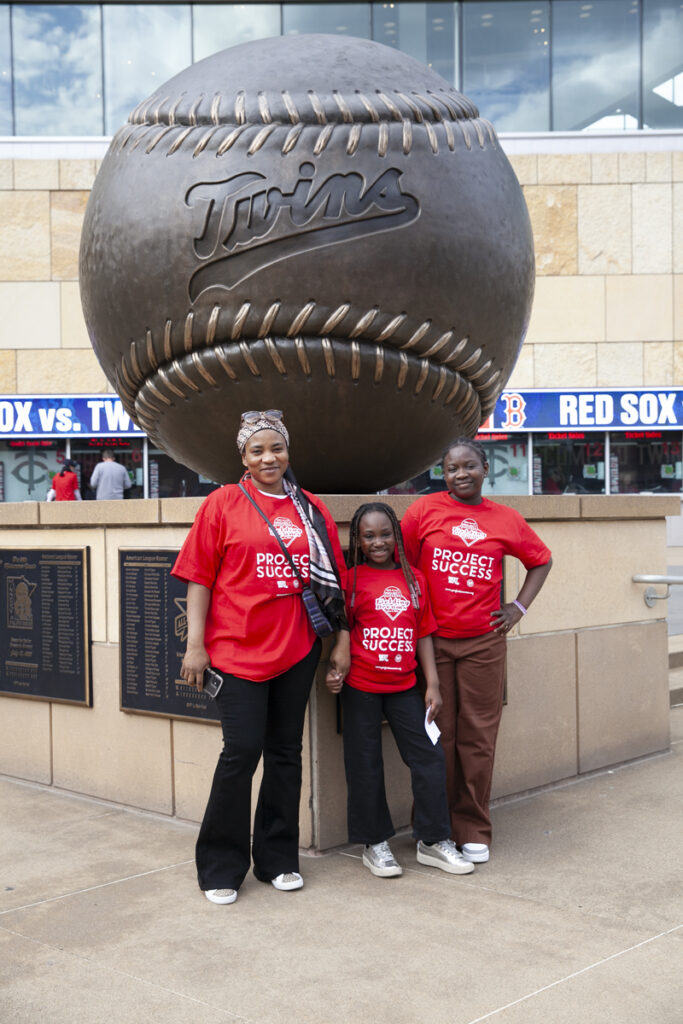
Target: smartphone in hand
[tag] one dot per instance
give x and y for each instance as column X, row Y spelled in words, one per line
column 212, row 681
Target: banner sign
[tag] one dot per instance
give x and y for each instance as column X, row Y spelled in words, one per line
column 24, row 416
column 600, row 409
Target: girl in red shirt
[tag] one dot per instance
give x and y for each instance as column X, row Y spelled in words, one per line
column 391, row 621
column 65, row 483
column 246, row 618
column 458, row 539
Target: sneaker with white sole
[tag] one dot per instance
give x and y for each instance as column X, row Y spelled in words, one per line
column 221, row 895
column 381, row 861
column 444, row 855
column 477, row 853
column 288, row 880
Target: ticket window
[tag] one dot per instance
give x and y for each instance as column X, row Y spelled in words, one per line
column 170, row 479
column 645, row 460
column 128, row 451
column 27, row 468
column 569, row 462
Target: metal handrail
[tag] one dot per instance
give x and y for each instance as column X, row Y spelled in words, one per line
column 651, row 595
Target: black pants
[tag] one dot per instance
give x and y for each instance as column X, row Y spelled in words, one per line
column 257, row 718
column 369, row 819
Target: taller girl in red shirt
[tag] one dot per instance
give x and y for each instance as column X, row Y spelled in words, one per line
column 246, row 618
column 458, row 539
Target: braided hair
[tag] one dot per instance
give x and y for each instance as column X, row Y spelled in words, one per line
column 356, row 556
column 466, row 442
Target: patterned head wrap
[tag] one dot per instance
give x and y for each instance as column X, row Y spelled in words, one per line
column 257, row 420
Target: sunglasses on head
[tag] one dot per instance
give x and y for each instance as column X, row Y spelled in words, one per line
column 254, row 415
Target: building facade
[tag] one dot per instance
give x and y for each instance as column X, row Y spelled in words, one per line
column 588, row 100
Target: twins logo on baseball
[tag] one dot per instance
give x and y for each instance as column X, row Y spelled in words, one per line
column 249, row 222
column 392, row 602
column 469, row 532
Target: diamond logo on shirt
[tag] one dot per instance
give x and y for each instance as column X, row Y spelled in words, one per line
column 288, row 530
column 392, row 603
column 469, row 532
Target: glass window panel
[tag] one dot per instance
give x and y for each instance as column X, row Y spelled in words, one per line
column 170, row 479
column 217, row 26
column 595, row 65
column 645, row 460
column 427, row 32
column 6, row 124
column 505, row 64
column 57, row 69
column 337, row 19
column 87, row 452
column 27, row 468
column 662, row 64
column 144, row 45
column 508, row 459
column 569, row 462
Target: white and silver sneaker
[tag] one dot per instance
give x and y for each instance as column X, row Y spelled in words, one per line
column 478, row 853
column 381, row 861
column 221, row 896
column 287, row 881
column 444, row 855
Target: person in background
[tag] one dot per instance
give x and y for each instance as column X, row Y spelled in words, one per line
column 65, row 483
column 458, row 539
column 110, row 479
column 247, row 619
column 391, row 623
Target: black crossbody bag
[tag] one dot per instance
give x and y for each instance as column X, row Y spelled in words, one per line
column 316, row 613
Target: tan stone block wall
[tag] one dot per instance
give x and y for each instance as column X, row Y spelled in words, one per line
column 608, row 230
column 25, row 739
column 25, row 236
column 63, row 371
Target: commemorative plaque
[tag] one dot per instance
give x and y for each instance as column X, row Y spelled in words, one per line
column 45, row 624
column 153, row 638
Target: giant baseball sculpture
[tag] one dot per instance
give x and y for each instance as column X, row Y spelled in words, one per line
column 312, row 223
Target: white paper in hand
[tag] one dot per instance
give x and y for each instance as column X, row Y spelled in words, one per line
column 431, row 728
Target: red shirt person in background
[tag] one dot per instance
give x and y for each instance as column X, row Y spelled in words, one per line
column 247, row 619
column 458, row 539
column 65, row 483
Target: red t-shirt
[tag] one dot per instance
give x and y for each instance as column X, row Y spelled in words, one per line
column 65, row 486
column 460, row 550
column 385, row 628
column 256, row 626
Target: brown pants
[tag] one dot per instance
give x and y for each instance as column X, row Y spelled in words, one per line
column 471, row 676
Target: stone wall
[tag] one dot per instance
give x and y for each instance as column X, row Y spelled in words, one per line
column 608, row 230
column 587, row 680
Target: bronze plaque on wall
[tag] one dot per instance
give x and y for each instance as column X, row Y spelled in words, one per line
column 45, row 624
column 153, row 638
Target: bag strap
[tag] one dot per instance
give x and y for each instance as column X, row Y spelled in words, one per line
column 274, row 531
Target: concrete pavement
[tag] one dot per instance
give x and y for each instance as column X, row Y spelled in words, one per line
column 577, row 918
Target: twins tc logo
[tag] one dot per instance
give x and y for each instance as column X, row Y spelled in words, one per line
column 392, row 602
column 287, row 530
column 469, row 532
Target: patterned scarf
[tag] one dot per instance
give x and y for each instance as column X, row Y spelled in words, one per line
column 324, row 580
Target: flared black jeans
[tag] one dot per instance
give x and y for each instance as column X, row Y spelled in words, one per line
column 265, row 718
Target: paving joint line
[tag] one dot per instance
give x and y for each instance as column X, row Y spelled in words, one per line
column 575, row 974
column 93, row 888
column 239, row 1019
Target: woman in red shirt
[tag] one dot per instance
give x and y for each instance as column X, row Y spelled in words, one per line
column 391, row 624
column 458, row 539
column 65, row 483
column 247, row 619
